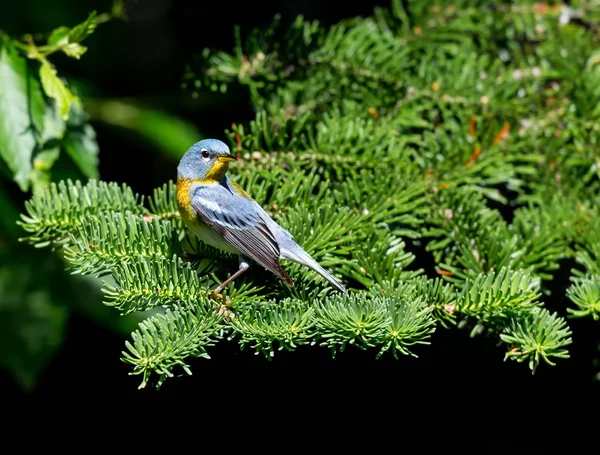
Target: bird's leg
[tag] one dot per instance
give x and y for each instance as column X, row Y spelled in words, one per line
column 243, row 267
column 223, row 309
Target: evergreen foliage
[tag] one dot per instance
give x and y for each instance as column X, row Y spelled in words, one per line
column 464, row 133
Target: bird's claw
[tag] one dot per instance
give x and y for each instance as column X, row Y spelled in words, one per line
column 222, row 304
column 216, row 295
column 224, row 311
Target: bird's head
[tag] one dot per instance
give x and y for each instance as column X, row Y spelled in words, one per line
column 206, row 160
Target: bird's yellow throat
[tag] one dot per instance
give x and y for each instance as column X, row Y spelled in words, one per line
column 216, row 172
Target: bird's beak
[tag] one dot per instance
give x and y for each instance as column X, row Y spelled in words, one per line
column 226, row 158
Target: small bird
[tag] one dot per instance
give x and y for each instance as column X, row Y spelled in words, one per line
column 219, row 212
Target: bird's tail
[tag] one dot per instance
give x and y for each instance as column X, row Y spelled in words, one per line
column 297, row 254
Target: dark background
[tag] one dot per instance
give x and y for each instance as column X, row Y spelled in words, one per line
column 143, row 59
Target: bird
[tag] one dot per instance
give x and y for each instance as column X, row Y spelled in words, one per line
column 221, row 214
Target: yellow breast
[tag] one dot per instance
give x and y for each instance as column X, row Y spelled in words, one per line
column 184, row 201
column 196, row 225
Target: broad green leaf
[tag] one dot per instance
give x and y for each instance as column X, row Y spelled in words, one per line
column 55, row 88
column 54, row 126
column 21, row 109
column 83, row 150
column 68, row 39
column 52, row 133
column 45, row 159
column 74, row 50
column 59, row 36
column 83, row 30
column 80, row 142
column 42, row 164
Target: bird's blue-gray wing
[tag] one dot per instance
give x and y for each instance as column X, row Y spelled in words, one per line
column 236, row 219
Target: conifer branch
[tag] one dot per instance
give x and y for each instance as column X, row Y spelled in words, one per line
column 163, row 204
column 537, row 336
column 273, row 326
column 585, row 294
column 165, row 341
column 490, row 250
column 544, row 232
column 440, row 296
column 588, row 251
column 57, row 210
column 113, row 238
column 156, row 280
column 203, row 257
column 496, row 296
column 390, row 323
column 152, row 281
column 459, row 217
column 384, row 260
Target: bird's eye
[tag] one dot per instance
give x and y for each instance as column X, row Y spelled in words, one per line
column 205, row 153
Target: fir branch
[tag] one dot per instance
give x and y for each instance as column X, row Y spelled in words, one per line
column 537, row 336
column 460, row 216
column 100, row 244
column 587, row 249
column 151, row 281
column 392, row 323
column 278, row 189
column 57, row 210
column 491, row 250
column 330, row 246
column 589, row 257
column 381, row 259
column 165, row 341
column 270, row 326
column 349, row 47
column 404, row 210
column 496, row 296
column 543, row 232
column 308, row 227
column 585, row 294
column 203, row 257
column 475, row 238
column 256, row 61
column 278, row 132
column 333, row 235
column 163, row 204
column 438, row 295
column 411, row 324
column 287, row 139
column 351, row 320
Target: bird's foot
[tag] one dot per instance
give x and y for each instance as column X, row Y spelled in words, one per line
column 216, row 295
column 222, row 304
column 224, row 311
